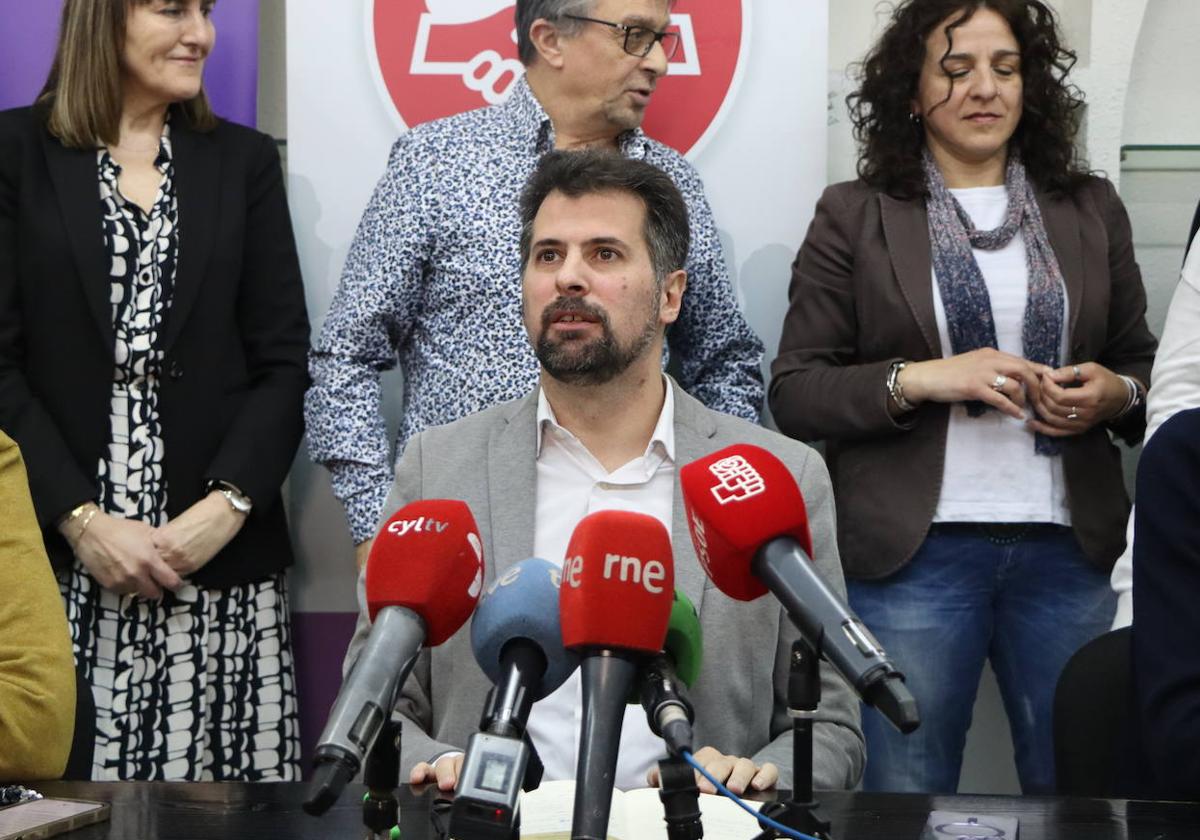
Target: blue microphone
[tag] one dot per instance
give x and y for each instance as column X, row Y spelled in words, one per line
column 517, row 641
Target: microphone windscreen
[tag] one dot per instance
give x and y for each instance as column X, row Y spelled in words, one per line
column 737, row 500
column 523, row 604
column 618, row 582
column 428, row 557
column 683, row 642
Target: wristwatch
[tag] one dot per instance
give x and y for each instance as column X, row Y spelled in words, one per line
column 238, row 500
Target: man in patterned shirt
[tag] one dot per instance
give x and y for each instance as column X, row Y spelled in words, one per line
column 433, row 275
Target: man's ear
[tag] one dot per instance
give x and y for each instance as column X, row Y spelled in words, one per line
column 672, row 296
column 547, row 40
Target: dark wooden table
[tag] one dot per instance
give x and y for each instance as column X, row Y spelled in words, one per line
column 176, row 811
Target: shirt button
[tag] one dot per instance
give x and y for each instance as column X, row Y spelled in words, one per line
column 175, row 371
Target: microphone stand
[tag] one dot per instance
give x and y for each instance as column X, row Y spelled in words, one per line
column 381, row 775
column 680, row 798
column 801, row 811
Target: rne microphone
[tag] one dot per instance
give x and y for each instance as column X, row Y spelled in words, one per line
column 668, row 709
column 750, row 531
column 615, row 604
column 517, row 641
column 423, row 579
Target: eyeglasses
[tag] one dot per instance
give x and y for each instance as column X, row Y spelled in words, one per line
column 639, row 40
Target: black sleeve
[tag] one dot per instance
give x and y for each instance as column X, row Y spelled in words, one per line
column 1166, row 592
column 258, row 449
column 1192, row 232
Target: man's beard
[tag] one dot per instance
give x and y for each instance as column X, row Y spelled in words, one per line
column 576, row 360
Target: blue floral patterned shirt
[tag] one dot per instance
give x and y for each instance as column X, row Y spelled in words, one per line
column 433, row 280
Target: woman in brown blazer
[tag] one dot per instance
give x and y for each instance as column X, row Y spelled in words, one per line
column 966, row 330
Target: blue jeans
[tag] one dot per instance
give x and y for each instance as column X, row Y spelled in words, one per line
column 1025, row 602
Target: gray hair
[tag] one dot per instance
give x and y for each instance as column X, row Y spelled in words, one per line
column 666, row 229
column 552, row 10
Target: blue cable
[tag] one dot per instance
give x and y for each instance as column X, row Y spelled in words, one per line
column 767, row 821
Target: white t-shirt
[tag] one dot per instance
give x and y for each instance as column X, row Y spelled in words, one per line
column 991, row 471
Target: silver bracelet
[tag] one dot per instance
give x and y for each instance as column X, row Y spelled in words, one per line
column 895, row 389
column 1133, row 398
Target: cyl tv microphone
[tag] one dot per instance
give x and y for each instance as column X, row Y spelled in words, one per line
column 750, row 530
column 423, row 579
column 517, row 641
column 615, row 603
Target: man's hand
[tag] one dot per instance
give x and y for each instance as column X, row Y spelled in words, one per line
column 194, row 537
column 120, row 554
column 361, row 552
column 737, row 774
column 444, row 771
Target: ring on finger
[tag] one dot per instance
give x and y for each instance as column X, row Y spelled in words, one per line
column 999, row 382
column 1074, row 415
column 1075, row 370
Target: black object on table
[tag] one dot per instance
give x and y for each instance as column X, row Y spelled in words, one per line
column 801, row 810
column 232, row 811
column 381, row 775
column 680, row 798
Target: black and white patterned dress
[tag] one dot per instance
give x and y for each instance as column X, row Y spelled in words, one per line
column 198, row 686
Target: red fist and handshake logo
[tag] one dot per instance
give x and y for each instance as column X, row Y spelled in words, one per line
column 440, row 57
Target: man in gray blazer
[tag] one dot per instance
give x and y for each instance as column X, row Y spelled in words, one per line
column 603, row 242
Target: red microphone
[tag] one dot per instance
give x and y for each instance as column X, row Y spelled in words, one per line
column 750, row 531
column 729, row 489
column 423, row 580
column 428, row 558
column 614, row 605
column 618, row 583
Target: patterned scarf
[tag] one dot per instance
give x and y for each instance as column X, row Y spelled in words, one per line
column 964, row 294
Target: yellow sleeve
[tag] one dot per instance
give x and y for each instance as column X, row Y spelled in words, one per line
column 37, row 671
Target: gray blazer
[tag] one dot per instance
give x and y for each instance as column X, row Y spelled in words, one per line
column 488, row 460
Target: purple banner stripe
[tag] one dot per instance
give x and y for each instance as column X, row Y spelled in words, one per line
column 30, row 28
column 319, row 642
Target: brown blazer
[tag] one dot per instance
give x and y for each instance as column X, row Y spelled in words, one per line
column 861, row 297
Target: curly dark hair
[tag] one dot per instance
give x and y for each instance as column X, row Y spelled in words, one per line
column 890, row 142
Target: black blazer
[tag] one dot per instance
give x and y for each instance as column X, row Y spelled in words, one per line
column 234, row 340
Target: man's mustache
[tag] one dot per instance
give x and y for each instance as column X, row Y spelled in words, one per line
column 563, row 305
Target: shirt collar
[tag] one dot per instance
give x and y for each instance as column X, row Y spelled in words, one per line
column 161, row 162
column 534, row 130
column 663, row 434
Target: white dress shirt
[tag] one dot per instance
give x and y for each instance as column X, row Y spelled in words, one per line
column 571, row 483
column 1175, row 387
column 991, row 472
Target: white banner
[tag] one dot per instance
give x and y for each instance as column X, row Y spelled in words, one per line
column 745, row 99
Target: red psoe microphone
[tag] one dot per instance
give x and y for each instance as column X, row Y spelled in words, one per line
column 614, row 605
column 428, row 558
column 750, row 531
column 736, row 500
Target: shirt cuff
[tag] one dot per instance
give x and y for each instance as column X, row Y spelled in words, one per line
column 363, row 507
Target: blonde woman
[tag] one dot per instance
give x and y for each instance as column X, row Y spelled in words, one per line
column 152, row 347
